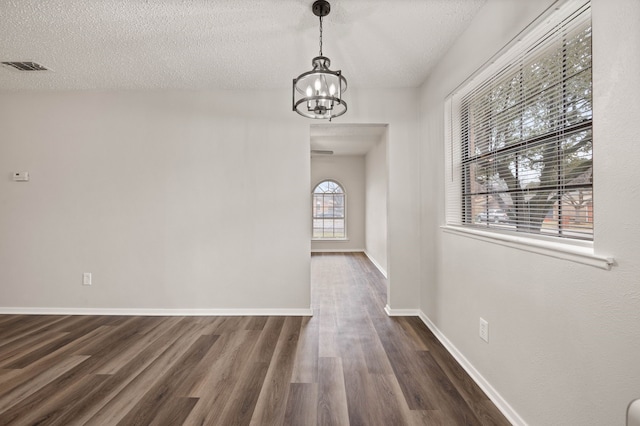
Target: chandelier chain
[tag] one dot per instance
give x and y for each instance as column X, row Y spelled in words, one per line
column 321, row 36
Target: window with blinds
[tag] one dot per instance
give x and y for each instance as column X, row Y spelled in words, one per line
column 519, row 134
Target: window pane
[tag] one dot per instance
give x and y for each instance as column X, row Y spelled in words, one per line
column 328, row 210
column 578, row 97
column 327, row 207
column 317, row 205
column 576, row 213
column 328, row 228
column 339, row 228
column 338, row 209
column 577, row 158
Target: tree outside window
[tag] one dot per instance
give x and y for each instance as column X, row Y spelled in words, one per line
column 527, row 147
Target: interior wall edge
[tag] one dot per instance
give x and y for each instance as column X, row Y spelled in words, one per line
column 376, row 264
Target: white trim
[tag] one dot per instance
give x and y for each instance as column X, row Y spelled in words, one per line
column 573, row 253
column 376, row 264
column 337, row 251
column 502, row 405
column 157, row 312
column 401, row 312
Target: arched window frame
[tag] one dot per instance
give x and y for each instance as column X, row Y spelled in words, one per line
column 329, row 211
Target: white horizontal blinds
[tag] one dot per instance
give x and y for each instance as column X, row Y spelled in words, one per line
column 525, row 133
column 453, row 166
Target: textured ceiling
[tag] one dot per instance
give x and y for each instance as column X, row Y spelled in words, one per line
column 222, row 44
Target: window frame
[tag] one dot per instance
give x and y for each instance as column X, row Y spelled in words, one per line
column 333, row 217
column 458, row 214
column 497, row 129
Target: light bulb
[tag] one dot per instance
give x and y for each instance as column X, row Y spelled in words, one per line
column 309, row 91
column 332, row 89
column 318, row 84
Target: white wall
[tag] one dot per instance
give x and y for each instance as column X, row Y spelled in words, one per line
column 399, row 108
column 349, row 171
column 173, row 200
column 564, row 337
column 179, row 200
column 376, row 204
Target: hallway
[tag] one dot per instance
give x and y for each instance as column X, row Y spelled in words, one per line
column 375, row 369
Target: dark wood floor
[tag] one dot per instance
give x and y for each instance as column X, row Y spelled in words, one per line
column 348, row 364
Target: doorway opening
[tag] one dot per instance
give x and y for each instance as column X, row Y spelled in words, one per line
column 354, row 156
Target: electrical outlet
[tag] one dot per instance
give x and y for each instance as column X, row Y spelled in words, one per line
column 86, row 278
column 484, row 330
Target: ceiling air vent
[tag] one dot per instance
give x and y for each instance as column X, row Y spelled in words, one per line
column 25, row 66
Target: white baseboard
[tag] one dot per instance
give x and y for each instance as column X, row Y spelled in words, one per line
column 158, row 312
column 401, row 312
column 486, row 387
column 376, row 264
column 337, row 250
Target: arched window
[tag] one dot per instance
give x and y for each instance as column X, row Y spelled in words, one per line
column 329, row 211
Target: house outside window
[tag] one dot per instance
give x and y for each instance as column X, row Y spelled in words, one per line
column 519, row 135
column 329, row 211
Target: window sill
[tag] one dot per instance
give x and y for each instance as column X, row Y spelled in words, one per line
column 575, row 253
column 330, row 239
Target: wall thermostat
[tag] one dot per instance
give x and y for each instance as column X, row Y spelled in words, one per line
column 21, row 176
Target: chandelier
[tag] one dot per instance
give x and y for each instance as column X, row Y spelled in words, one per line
column 318, row 93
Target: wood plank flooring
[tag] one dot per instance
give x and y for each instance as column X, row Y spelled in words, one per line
column 349, row 364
